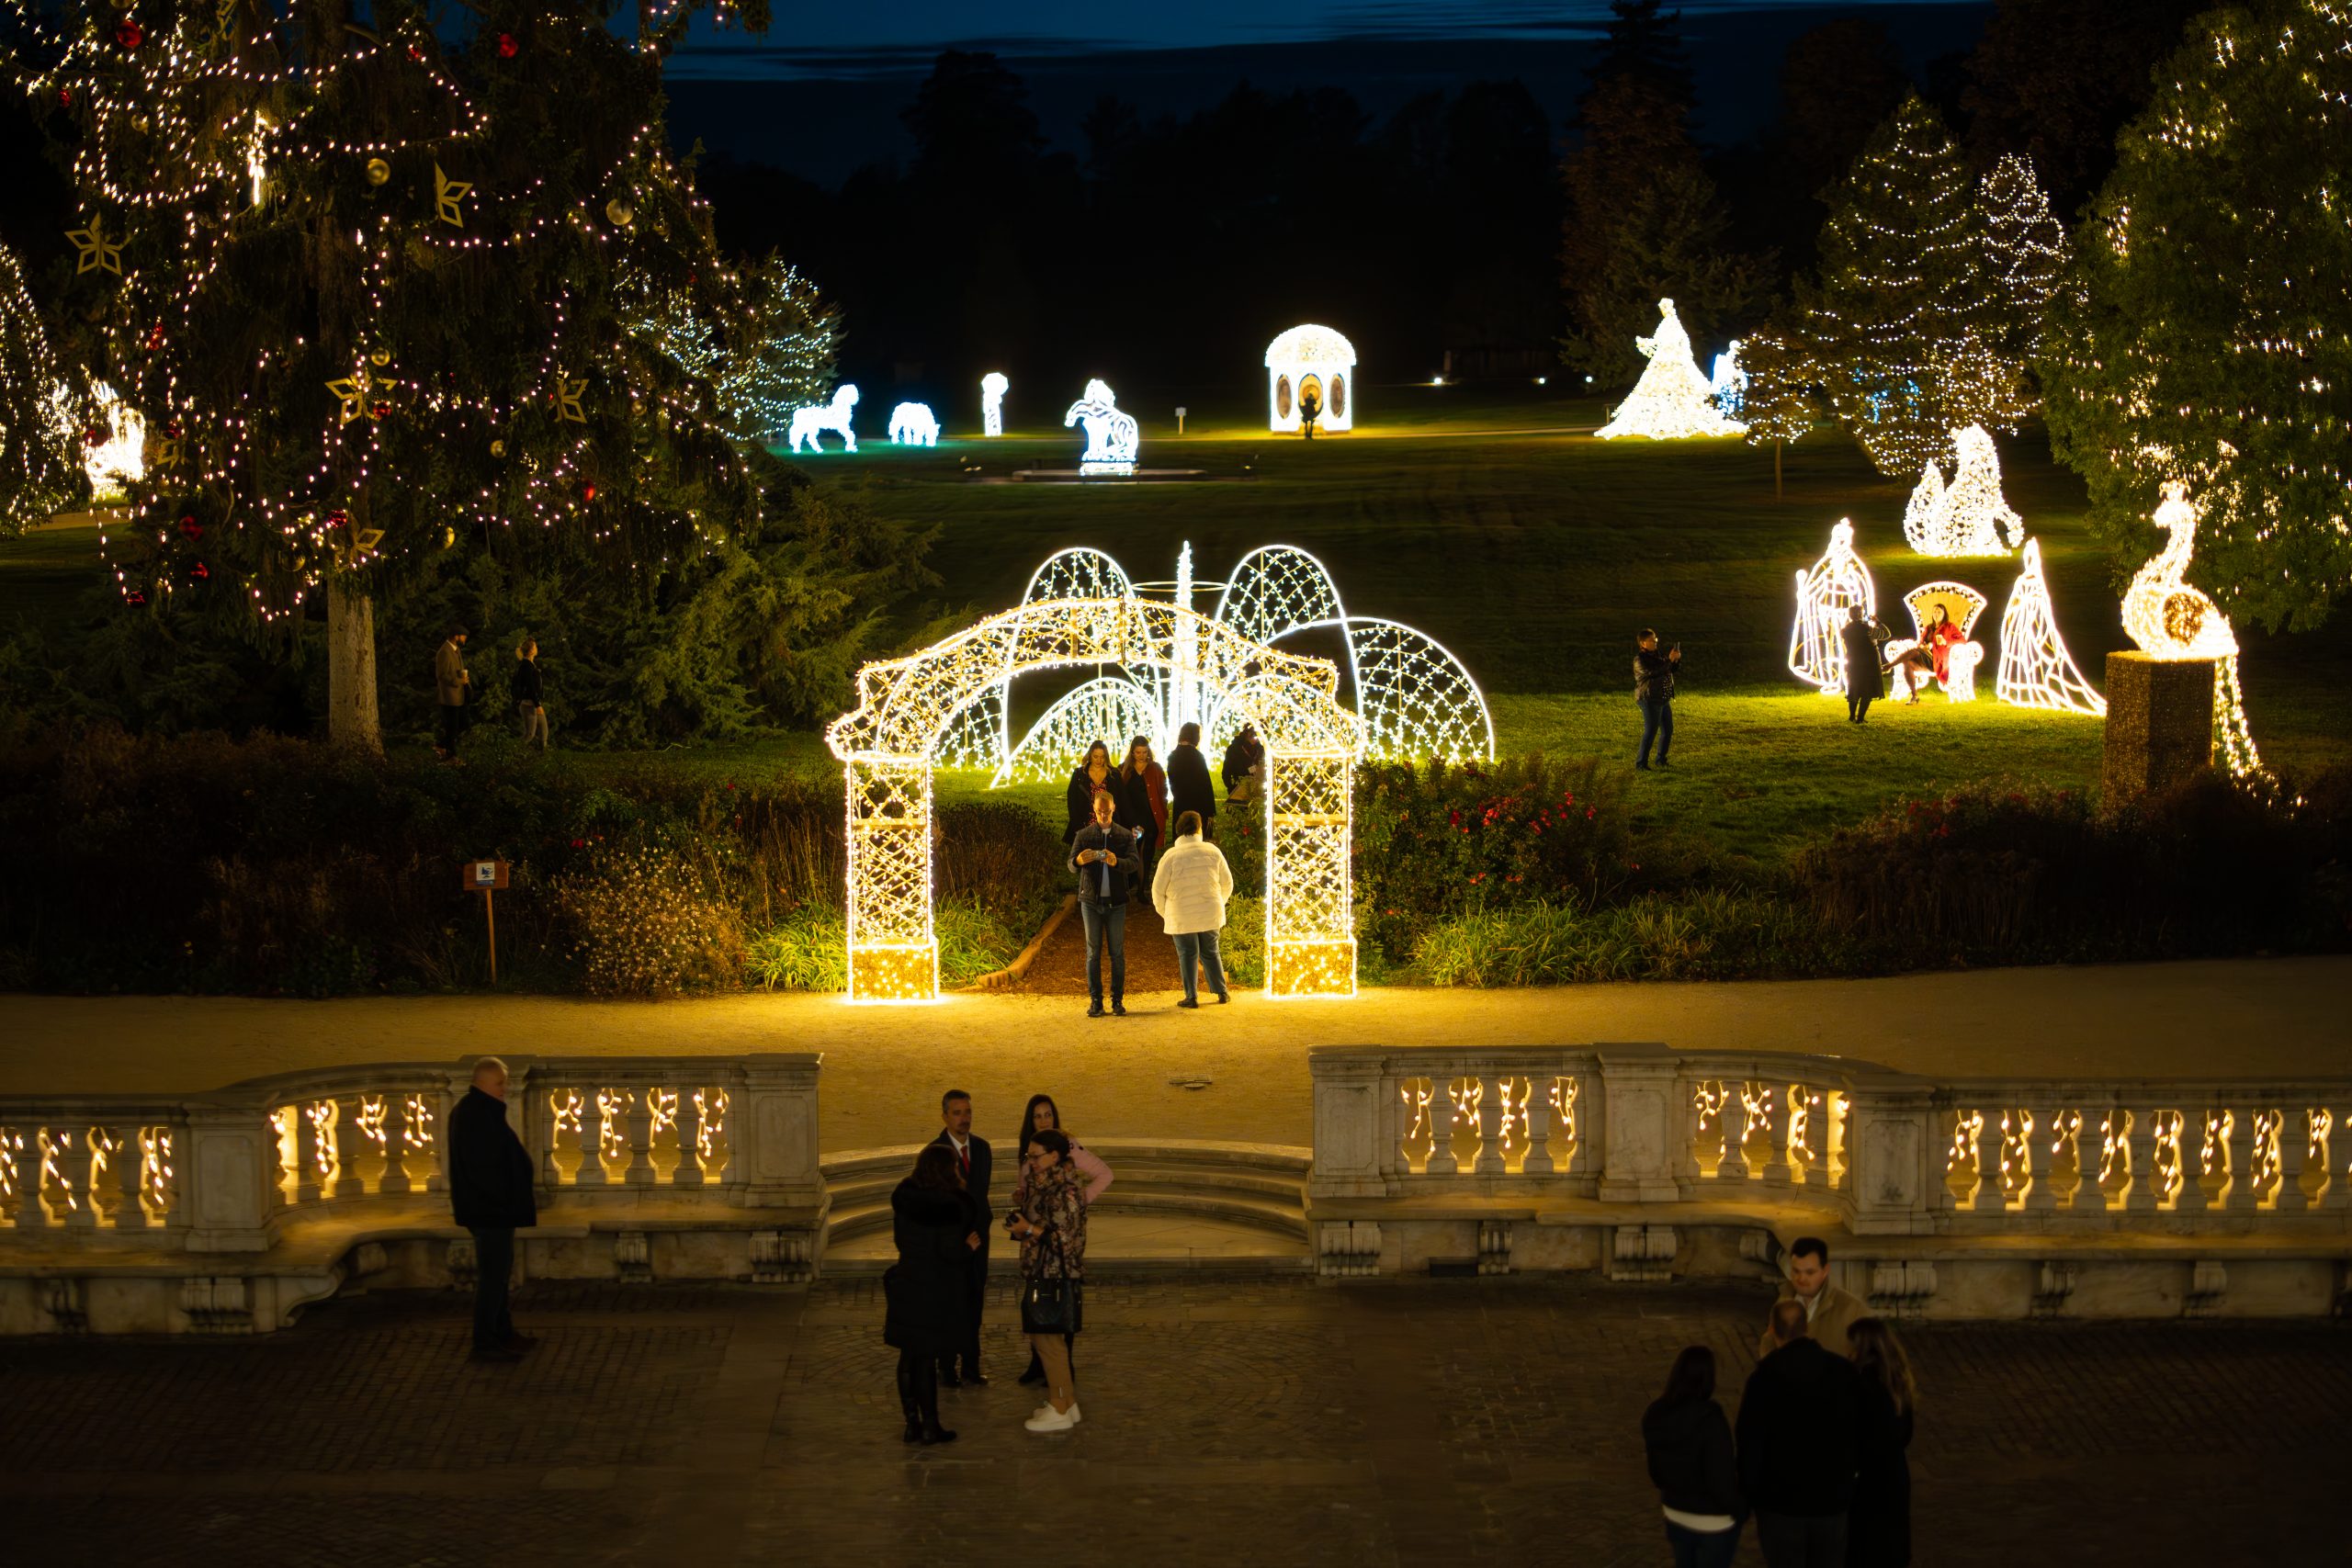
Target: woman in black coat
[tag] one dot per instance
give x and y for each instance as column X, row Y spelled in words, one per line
column 937, row 1227
column 1690, row 1456
column 1092, row 777
column 1878, row 1523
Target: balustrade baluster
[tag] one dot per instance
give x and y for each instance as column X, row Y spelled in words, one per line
column 1579, row 1093
column 393, row 1182
column 349, row 1140
column 2191, row 1199
column 70, row 1150
column 2042, row 1146
column 718, row 1118
column 1835, row 1108
column 24, row 1143
column 1778, row 1156
column 591, row 1140
column 2146, row 1194
column 2294, row 1143
column 641, row 1139
column 1538, row 1158
column 2090, row 1196
column 2333, row 1138
column 1990, row 1198
column 1441, row 1160
column 1491, row 1099
column 688, row 1170
column 130, row 1167
column 306, row 1156
column 2246, row 1171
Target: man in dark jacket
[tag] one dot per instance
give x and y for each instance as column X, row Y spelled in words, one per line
column 1188, row 788
column 1099, row 853
column 1865, row 677
column 1796, row 1446
column 978, row 1163
column 1654, row 691
column 491, row 1191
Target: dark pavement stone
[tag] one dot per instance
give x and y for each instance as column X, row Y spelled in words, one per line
column 1242, row 1419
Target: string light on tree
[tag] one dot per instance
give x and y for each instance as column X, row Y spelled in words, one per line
column 1825, row 591
column 1672, row 401
column 37, row 417
column 2035, row 669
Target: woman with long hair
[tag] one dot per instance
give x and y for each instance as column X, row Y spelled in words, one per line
column 1042, row 1115
column 1878, row 1522
column 1690, row 1457
column 1143, row 803
column 1090, row 778
column 1050, row 1225
column 936, row 1226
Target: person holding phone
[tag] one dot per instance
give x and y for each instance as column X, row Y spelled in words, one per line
column 1099, row 853
column 1050, row 1225
column 1654, row 691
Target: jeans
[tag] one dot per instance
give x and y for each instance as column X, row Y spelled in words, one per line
column 1801, row 1541
column 493, row 1267
column 1657, row 724
column 1105, row 921
column 1858, row 704
column 1695, row 1550
column 1199, row 948
column 535, row 723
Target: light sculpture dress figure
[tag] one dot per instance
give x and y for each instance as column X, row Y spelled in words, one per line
column 1729, row 381
column 1672, row 400
column 1111, row 436
column 1969, row 516
column 808, row 423
column 2035, row 669
column 2170, row 619
column 993, row 386
column 912, row 425
column 1817, row 655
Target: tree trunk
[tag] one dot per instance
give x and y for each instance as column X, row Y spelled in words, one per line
column 1776, row 470
column 351, row 668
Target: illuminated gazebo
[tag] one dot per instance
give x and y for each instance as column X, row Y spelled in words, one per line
column 1310, row 357
column 890, row 743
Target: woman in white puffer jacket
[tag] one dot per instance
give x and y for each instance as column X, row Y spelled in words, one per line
column 1189, row 890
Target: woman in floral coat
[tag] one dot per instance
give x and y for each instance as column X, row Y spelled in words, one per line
column 1051, row 1226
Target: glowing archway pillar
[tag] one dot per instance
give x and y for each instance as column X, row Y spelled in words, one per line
column 905, row 706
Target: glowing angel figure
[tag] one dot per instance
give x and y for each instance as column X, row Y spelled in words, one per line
column 1973, row 519
column 993, row 386
column 1672, row 399
column 1729, row 382
column 2170, row 619
column 1835, row 582
column 2035, row 669
column 1111, row 440
column 808, row 423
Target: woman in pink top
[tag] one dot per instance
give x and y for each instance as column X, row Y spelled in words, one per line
column 1041, row 1113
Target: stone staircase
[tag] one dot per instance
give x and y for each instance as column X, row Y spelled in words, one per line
column 1174, row 1204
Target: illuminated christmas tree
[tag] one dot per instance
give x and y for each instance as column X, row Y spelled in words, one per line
column 38, row 461
column 371, row 286
column 2207, row 337
column 2026, row 253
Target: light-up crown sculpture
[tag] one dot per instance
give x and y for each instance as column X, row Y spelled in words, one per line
column 1672, row 400
column 1967, row 518
column 914, row 425
column 1836, row 580
column 2170, row 619
column 808, row 423
column 993, row 386
column 2035, row 669
column 1310, row 358
column 1111, row 436
column 907, row 708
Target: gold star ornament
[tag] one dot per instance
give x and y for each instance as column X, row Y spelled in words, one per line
column 99, row 253
column 352, row 391
column 447, row 193
column 568, row 393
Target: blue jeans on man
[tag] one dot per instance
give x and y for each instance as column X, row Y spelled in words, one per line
column 1657, row 724
column 1105, row 921
column 1198, row 950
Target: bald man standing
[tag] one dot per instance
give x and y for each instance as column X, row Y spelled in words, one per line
column 491, row 1193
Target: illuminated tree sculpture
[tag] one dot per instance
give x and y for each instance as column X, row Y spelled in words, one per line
column 371, row 283
column 2207, row 337
column 1110, row 436
column 2035, row 669
column 1837, row 581
column 2025, row 255
column 907, row 708
column 36, row 435
column 1967, row 517
column 2170, row 619
column 1672, row 400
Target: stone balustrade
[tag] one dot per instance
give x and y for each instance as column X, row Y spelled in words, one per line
column 1609, row 1148
column 312, row 1173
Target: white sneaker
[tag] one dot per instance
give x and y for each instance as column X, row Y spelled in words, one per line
column 1048, row 1409
column 1051, row 1420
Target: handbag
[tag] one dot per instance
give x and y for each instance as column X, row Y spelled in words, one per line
column 1050, row 1305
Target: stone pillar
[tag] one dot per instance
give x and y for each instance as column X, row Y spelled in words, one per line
column 225, row 1185
column 775, row 1133
column 1350, row 1112
column 2159, row 723
column 1891, row 1157
column 1639, row 1119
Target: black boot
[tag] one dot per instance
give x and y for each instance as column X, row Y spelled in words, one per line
column 932, row 1433
column 909, row 1402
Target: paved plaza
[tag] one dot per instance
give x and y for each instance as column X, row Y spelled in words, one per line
column 1229, row 1420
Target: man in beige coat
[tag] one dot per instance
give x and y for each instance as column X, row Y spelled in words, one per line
column 449, row 683
column 1829, row 1310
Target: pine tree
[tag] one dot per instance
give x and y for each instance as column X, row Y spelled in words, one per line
column 2208, row 330
column 372, row 290
column 1902, row 284
column 2026, row 252
column 1783, row 398
column 39, row 474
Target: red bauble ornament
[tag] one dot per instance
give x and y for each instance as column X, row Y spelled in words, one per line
column 587, row 492
column 191, row 527
column 415, row 53
column 155, row 337
column 380, row 410
column 134, row 598
column 127, row 32
column 337, row 519
column 507, row 47
column 66, row 97
column 202, row 571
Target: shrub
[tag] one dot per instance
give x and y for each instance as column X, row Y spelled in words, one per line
column 647, row 922
column 1241, row 945
column 810, row 951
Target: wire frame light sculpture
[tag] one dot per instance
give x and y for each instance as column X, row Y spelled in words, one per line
column 1672, row 400
column 1112, row 437
column 1310, row 357
column 2035, row 669
column 810, row 423
column 1825, row 591
column 1963, row 605
column 1969, row 516
column 906, row 707
column 2170, row 619
column 914, row 425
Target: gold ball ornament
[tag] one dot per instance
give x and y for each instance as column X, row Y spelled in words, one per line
column 619, row 212
column 448, row 538
column 380, row 356
column 498, row 448
column 379, row 171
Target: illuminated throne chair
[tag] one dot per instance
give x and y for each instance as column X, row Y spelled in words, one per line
column 1964, row 605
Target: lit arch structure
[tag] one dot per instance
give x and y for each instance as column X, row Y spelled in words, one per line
column 907, row 708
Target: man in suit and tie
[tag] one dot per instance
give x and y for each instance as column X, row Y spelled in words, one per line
column 980, row 1168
